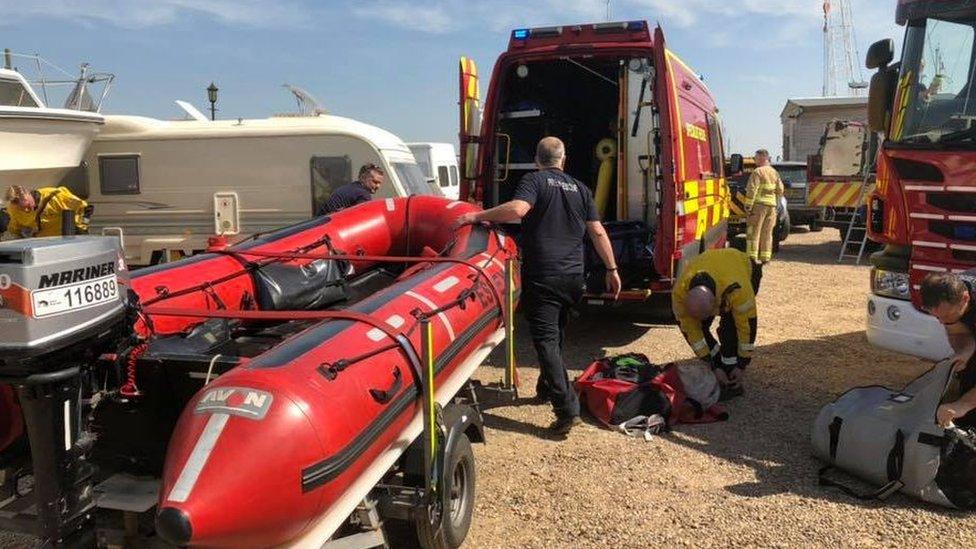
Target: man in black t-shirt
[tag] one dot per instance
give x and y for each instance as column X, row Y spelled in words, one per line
column 951, row 298
column 557, row 212
column 359, row 191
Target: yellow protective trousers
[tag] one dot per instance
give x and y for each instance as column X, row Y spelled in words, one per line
column 759, row 232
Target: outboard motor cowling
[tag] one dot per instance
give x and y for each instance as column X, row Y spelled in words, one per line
column 60, row 301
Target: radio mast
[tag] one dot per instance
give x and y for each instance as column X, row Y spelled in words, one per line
column 842, row 64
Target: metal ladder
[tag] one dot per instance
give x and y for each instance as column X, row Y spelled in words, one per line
column 856, row 236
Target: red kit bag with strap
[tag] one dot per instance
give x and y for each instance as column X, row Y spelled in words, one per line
column 617, row 389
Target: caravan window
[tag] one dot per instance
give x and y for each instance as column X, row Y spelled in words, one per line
column 328, row 174
column 443, row 179
column 119, row 174
column 454, row 176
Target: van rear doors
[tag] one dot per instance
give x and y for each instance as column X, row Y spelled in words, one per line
column 470, row 126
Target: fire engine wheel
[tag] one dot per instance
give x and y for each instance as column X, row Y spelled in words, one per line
column 457, row 499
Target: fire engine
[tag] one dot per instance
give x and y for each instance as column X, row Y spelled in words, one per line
column 923, row 209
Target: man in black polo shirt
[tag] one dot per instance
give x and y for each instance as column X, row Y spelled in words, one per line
column 951, row 298
column 359, row 191
column 557, row 211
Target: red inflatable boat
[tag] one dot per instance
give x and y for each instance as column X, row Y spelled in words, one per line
column 281, row 447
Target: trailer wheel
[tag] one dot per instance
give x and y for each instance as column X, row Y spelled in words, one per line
column 457, row 499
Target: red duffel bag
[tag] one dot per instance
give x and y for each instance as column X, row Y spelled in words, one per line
column 617, row 389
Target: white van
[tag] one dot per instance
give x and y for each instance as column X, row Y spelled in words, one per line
column 439, row 163
column 167, row 186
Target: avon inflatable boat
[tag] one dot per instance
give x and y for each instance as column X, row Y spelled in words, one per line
column 287, row 368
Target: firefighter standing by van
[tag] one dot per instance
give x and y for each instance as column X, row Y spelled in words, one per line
column 763, row 192
column 39, row 212
column 720, row 283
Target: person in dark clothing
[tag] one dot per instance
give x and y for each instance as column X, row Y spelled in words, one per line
column 556, row 211
column 359, row 191
column 951, row 298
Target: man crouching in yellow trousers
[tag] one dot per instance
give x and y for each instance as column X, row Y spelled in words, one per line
column 763, row 192
column 38, row 212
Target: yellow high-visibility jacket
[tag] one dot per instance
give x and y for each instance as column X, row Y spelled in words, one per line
column 764, row 187
column 729, row 274
column 53, row 200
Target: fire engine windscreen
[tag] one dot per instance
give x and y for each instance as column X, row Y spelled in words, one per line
column 938, row 72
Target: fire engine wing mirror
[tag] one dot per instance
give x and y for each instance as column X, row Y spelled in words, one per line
column 880, row 54
column 736, row 163
column 880, row 96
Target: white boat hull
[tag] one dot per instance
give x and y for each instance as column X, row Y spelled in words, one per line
column 45, row 140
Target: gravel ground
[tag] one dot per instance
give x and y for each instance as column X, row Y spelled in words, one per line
column 750, row 481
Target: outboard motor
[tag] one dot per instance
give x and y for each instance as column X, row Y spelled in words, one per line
column 60, row 305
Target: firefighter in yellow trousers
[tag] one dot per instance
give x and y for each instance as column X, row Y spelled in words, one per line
column 719, row 283
column 763, row 192
column 38, row 212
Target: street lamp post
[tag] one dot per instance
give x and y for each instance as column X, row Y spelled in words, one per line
column 212, row 96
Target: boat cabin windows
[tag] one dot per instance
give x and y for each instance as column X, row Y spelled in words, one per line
column 328, row 174
column 119, row 174
column 15, row 94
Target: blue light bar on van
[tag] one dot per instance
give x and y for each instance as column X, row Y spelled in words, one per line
column 520, row 34
column 619, row 27
column 545, row 32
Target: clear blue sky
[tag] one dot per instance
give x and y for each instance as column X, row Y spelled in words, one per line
column 393, row 62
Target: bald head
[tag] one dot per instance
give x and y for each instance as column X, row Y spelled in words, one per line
column 550, row 153
column 700, row 303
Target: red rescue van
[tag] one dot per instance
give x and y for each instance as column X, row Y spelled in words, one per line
column 640, row 128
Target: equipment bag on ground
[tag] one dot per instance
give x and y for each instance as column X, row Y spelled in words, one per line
column 618, row 389
column 890, row 439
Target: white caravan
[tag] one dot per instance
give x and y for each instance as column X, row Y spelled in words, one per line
column 439, row 163
column 166, row 187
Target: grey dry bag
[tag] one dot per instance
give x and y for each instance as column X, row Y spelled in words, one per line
column 890, row 439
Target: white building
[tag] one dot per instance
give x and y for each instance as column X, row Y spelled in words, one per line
column 804, row 120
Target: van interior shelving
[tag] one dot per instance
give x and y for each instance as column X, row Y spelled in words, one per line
column 579, row 100
column 547, row 98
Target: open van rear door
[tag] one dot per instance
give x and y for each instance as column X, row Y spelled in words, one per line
column 669, row 158
column 470, row 127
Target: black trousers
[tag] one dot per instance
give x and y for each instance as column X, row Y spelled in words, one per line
column 728, row 342
column 967, row 382
column 728, row 337
column 546, row 303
